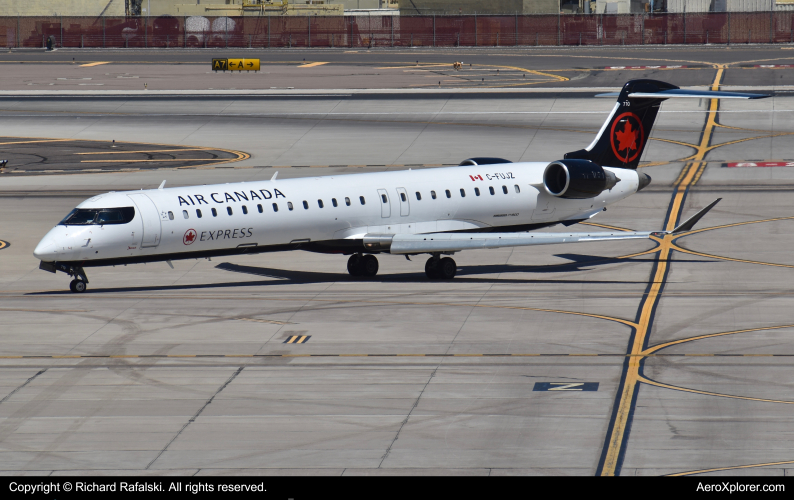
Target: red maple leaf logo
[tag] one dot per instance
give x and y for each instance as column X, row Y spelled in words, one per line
column 190, row 236
column 627, row 138
column 627, row 143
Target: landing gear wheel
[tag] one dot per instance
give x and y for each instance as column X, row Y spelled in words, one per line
column 431, row 268
column 446, row 268
column 354, row 265
column 77, row 286
column 369, row 265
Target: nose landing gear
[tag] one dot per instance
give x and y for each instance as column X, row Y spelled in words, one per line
column 77, row 285
column 362, row 265
column 80, row 281
column 443, row 269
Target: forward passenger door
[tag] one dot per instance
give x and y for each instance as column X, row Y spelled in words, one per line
column 150, row 218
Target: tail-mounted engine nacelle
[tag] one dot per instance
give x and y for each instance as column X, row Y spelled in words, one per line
column 577, row 179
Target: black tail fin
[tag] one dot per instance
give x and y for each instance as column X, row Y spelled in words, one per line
column 623, row 137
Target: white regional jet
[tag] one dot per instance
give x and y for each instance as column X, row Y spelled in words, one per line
column 482, row 203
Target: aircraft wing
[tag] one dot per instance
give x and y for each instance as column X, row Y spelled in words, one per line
column 454, row 242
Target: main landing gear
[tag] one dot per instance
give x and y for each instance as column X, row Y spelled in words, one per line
column 436, row 268
column 440, row 269
column 362, row 265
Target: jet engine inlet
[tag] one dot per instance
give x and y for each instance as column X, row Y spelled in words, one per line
column 577, row 179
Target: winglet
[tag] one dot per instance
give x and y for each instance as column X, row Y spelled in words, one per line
column 690, row 222
column 162, row 185
column 274, row 176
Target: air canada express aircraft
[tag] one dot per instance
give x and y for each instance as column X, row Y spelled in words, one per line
column 482, row 203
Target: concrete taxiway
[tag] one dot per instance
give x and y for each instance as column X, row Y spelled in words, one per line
column 651, row 357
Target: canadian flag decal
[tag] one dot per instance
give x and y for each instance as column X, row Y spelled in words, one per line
column 476, row 177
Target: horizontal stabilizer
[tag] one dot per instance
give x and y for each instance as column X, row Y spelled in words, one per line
column 698, row 94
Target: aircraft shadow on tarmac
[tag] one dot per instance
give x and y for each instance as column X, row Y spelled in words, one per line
column 578, row 263
column 465, row 275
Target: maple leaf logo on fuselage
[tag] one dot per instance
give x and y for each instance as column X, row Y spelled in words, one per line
column 189, row 237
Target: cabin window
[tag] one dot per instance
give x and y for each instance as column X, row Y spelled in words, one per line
column 185, row 215
column 170, row 215
column 433, row 194
column 403, row 197
column 490, row 188
column 333, row 202
column 229, row 210
column 518, row 189
column 320, row 203
column 305, row 205
column 362, row 200
column 347, row 201
column 214, row 213
column 462, row 193
column 384, row 199
column 418, row 196
column 449, row 195
column 289, row 206
column 477, row 191
column 198, row 213
column 504, row 189
column 245, row 210
column 275, row 207
column 259, row 207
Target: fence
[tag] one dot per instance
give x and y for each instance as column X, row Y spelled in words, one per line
column 402, row 31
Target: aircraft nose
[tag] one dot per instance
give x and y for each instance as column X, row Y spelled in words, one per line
column 45, row 250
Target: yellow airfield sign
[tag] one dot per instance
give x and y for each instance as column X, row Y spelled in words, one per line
column 235, row 64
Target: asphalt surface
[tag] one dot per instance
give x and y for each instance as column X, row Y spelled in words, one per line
column 95, row 71
column 37, row 156
column 683, row 345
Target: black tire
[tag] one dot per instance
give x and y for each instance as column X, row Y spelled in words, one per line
column 79, row 286
column 431, row 268
column 369, row 265
column 354, row 265
column 71, row 285
column 446, row 268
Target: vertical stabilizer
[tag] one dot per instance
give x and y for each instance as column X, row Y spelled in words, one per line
column 624, row 135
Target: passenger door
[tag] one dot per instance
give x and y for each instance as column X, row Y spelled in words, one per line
column 405, row 207
column 150, row 218
column 385, row 203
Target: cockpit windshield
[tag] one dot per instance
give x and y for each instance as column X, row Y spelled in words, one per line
column 98, row 216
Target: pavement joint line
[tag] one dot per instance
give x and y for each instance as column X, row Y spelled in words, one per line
column 196, row 415
column 22, row 386
column 387, row 355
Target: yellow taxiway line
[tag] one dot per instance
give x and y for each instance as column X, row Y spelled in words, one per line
column 625, row 406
